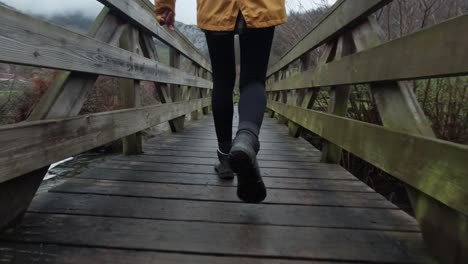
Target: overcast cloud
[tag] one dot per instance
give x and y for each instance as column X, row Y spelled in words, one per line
column 186, row 9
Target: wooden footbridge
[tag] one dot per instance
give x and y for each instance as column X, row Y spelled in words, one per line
column 160, row 201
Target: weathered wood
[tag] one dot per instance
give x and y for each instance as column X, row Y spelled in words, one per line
column 32, row 145
column 143, row 17
column 55, row 254
column 303, row 243
column 444, row 55
column 320, row 172
column 299, row 157
column 339, row 98
column 177, row 92
column 194, row 210
column 130, row 92
column 208, row 179
column 435, row 167
column 342, row 15
column 290, row 215
column 211, row 161
column 29, row 41
column 399, row 109
column 217, row 193
column 64, row 98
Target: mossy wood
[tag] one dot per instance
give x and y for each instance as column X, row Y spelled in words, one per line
column 342, row 15
column 433, row 52
column 437, row 168
column 32, row 145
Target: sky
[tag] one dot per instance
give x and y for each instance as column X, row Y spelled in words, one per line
column 186, row 9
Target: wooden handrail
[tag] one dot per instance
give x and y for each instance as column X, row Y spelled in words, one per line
column 32, row 145
column 436, row 167
column 29, row 41
column 426, row 59
column 341, row 16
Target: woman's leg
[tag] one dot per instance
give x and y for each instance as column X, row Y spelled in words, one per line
column 255, row 45
column 221, row 49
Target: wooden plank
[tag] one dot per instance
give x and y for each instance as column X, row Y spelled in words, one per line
column 306, row 243
column 55, row 254
column 435, row 167
column 223, row 194
column 320, row 169
column 208, row 179
column 211, row 161
column 211, row 136
column 32, row 145
column 219, row 212
column 212, row 154
column 144, row 18
column 304, row 147
column 30, row 41
column 433, row 52
column 342, row 15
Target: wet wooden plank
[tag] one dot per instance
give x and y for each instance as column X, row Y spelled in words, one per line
column 212, row 149
column 54, row 254
column 284, row 147
column 211, row 161
column 321, row 170
column 224, row 194
column 221, row 212
column 293, row 157
column 307, row 243
column 351, row 185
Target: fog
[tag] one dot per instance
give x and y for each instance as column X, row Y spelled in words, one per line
column 186, row 9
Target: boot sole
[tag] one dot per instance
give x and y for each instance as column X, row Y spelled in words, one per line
column 250, row 186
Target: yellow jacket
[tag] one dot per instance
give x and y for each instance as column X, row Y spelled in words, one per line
column 221, row 15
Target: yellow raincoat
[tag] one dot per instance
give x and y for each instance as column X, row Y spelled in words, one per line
column 221, row 15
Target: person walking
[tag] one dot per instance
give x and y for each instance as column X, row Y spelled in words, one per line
column 254, row 21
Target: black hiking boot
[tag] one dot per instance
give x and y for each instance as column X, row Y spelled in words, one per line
column 243, row 159
column 223, row 168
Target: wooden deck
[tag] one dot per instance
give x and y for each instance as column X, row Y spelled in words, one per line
column 167, row 206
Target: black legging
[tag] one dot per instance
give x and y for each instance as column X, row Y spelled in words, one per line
column 255, row 47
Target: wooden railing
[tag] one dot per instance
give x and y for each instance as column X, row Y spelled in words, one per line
column 119, row 44
column 435, row 171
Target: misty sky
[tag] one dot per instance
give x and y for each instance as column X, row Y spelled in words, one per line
column 186, row 9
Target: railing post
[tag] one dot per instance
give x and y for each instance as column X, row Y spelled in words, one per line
column 195, row 93
column 443, row 228
column 299, row 98
column 339, row 98
column 130, row 92
column 282, row 96
column 176, row 91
